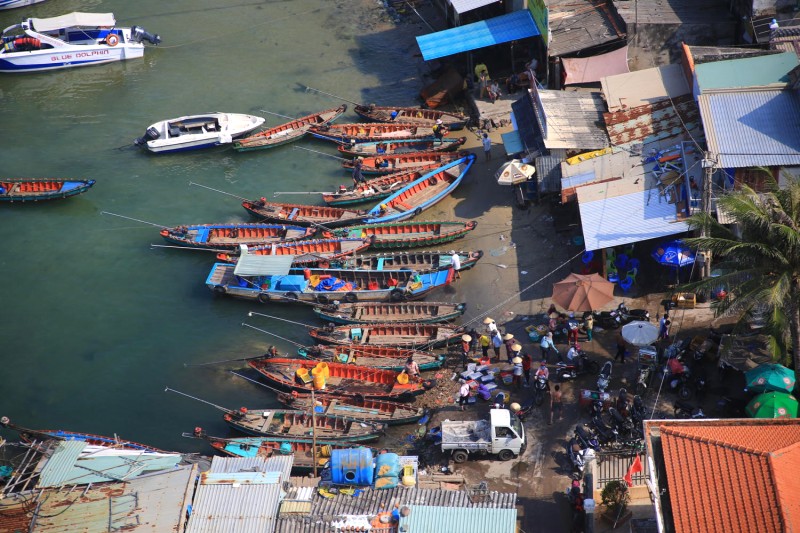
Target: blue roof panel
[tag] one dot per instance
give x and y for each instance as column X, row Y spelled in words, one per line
column 502, row 29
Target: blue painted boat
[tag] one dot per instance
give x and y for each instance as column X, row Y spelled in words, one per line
column 35, row 190
column 421, row 194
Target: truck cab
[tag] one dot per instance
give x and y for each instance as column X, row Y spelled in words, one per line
column 502, row 435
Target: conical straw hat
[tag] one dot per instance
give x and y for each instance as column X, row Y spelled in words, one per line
column 508, row 337
column 466, row 338
column 516, row 360
column 487, row 320
column 516, row 347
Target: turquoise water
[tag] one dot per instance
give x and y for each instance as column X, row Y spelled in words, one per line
column 94, row 322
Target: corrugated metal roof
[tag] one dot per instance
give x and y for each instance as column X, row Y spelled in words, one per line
column 152, row 503
column 648, row 123
column 642, row 87
column 263, row 265
column 527, row 126
column 752, row 128
column 497, row 30
column 67, row 465
column 447, row 519
column 462, row 6
column 624, row 219
column 548, row 170
column 573, row 119
column 746, row 72
column 243, row 508
column 578, row 25
column 240, row 478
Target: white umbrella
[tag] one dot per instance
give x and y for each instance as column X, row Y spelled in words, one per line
column 513, row 172
column 640, row 333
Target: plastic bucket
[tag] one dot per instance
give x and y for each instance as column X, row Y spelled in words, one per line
column 302, row 373
column 402, row 378
column 324, row 368
column 319, row 381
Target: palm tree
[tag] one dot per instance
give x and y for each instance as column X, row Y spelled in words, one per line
column 762, row 257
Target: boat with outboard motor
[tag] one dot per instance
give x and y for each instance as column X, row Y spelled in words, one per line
column 408, row 234
column 390, row 163
column 35, row 190
column 303, row 214
column 347, row 133
column 366, row 313
column 193, row 132
column 71, row 40
column 13, row 4
column 374, row 189
column 232, row 235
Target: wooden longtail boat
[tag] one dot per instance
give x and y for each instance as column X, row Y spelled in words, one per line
column 298, row 424
column 382, row 411
column 289, row 131
column 385, row 357
column 453, row 121
column 35, row 190
column 421, row 194
column 29, row 435
column 346, row 133
column 303, row 215
column 343, row 285
column 405, row 335
column 409, row 234
column 375, row 188
column 400, row 146
column 367, row 313
column 231, row 236
column 343, row 380
column 398, row 162
column 307, row 250
column 420, row 261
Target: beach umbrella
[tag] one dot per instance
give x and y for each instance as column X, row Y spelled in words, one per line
column 579, row 292
column 674, row 254
column 514, row 172
column 773, row 405
column 640, row 333
column 769, row 377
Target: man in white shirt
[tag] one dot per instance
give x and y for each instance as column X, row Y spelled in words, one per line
column 455, row 262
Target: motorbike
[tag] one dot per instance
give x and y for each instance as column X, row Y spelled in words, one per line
column 643, row 379
column 637, row 413
column 625, row 315
column 596, row 408
column 687, row 410
column 605, row 376
column 523, row 410
column 578, row 456
column 606, row 435
column 540, row 388
column 624, row 426
column 586, row 438
column 580, row 365
column 679, row 382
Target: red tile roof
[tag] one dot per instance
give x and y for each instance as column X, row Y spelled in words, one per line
column 725, row 476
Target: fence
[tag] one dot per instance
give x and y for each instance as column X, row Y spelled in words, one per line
column 611, row 466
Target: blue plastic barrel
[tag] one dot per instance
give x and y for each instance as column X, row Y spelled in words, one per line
column 352, row 466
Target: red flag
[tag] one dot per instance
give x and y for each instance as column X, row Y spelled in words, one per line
column 636, row 466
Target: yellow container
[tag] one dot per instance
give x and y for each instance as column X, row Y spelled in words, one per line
column 319, row 382
column 402, row 378
column 325, row 450
column 317, row 371
column 324, row 368
column 302, row 373
column 409, row 481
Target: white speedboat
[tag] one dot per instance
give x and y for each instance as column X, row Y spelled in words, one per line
column 11, row 4
column 73, row 40
column 197, row 131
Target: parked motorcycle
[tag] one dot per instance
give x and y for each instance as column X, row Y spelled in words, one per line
column 625, row 426
column 606, row 435
column 687, row 410
column 637, row 412
column 540, row 388
column 646, row 372
column 605, row 376
column 580, row 365
column 586, row 438
column 578, row 457
column 678, row 380
column 625, row 315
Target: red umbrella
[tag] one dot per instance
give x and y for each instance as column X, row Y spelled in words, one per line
column 579, row 292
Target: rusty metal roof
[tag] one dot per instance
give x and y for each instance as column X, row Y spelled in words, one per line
column 651, row 122
column 582, row 24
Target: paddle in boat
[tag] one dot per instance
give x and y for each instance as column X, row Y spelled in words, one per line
column 29, row 435
column 352, row 381
column 409, row 234
column 417, row 115
column 298, row 424
column 287, row 132
column 387, row 164
column 306, row 250
column 421, row 194
column 375, row 188
column 302, row 214
column 35, row 190
column 347, row 133
column 231, row 236
column 420, row 261
column 366, row 313
column 385, row 357
column 263, row 278
column 194, row 132
column 365, row 410
column 399, row 335
column 72, row 40
column 400, row 146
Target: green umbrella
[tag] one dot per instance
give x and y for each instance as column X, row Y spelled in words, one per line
column 769, row 377
column 773, row 405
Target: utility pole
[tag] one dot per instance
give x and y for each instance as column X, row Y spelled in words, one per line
column 708, row 167
column 313, row 429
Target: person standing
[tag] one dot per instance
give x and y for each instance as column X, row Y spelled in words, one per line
column 491, row 327
column 555, row 404
column 661, row 326
column 358, row 177
column 487, row 146
column 588, row 324
column 508, row 340
column 621, row 349
column 497, row 342
column 547, row 344
column 527, row 363
column 518, row 370
column 439, row 130
column 455, row 263
column 463, row 394
column 485, row 342
column 412, row 368
column 465, row 344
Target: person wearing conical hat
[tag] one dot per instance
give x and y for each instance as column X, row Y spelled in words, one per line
column 517, row 362
column 497, row 342
column 508, row 340
column 485, row 341
column 491, row 326
column 465, row 342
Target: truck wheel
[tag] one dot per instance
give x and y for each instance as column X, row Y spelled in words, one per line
column 459, row 456
column 505, row 455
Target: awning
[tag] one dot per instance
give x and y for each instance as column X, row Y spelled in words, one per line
column 263, row 265
column 526, row 124
column 593, row 69
column 462, row 6
column 511, row 27
column 512, row 142
column 74, row 19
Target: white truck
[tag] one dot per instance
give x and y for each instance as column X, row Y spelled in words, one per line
column 502, row 435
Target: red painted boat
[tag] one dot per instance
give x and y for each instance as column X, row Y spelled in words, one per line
column 303, row 215
column 402, row 146
column 452, row 120
column 376, row 188
column 343, row 379
column 346, row 133
column 408, row 234
column 230, row 236
column 289, row 131
column 398, row 335
column 308, row 251
column 383, row 411
column 398, row 162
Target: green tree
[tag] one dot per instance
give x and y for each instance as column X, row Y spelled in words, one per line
column 761, row 258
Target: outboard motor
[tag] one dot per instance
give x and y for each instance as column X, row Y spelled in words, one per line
column 138, row 34
column 150, row 135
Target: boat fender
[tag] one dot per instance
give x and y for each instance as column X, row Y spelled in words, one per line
column 417, row 211
column 219, row 289
column 290, row 296
column 322, row 299
column 433, row 180
column 350, row 297
column 112, row 39
column 428, row 384
column 263, row 297
column 397, row 295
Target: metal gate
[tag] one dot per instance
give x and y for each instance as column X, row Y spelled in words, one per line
column 611, row 466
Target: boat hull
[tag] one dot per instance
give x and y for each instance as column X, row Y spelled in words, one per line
column 288, row 132
column 231, row 236
column 410, row 335
column 347, row 133
column 13, row 4
column 68, row 57
column 40, row 190
column 328, row 427
column 368, row 411
column 411, row 234
column 303, row 215
column 421, row 313
column 370, row 357
column 453, row 121
column 425, row 144
column 307, row 250
column 420, row 261
column 195, row 132
column 301, row 449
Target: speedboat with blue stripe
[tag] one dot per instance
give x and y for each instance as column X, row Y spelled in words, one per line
column 72, row 40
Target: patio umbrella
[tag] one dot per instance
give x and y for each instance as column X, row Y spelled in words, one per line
column 674, row 254
column 579, row 292
column 769, row 377
column 640, row 333
column 773, row 405
column 513, row 172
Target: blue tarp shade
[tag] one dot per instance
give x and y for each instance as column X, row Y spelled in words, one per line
column 511, row 27
column 512, row 142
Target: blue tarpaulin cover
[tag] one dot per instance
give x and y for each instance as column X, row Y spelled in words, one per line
column 330, row 284
column 502, row 29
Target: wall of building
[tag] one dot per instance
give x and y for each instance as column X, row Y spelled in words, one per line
column 655, row 45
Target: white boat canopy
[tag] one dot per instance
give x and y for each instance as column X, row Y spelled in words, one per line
column 74, row 19
column 263, row 265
